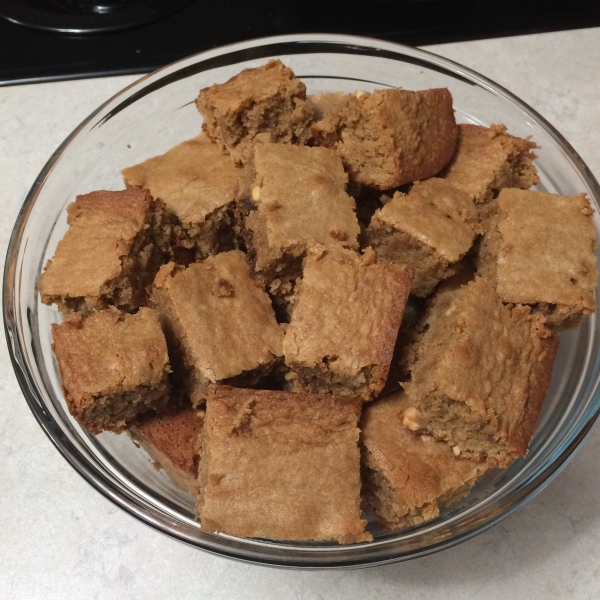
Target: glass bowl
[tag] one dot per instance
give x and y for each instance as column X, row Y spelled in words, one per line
column 157, row 112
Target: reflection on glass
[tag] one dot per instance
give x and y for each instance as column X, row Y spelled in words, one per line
column 96, row 6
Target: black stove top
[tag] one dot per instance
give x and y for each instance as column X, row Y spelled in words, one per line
column 190, row 26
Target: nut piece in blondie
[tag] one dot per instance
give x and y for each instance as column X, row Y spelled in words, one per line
column 113, row 365
column 407, row 477
column 281, row 465
column 298, row 199
column 479, row 374
column 344, row 325
column 171, row 440
column 113, row 248
column 267, row 101
column 538, row 249
column 219, row 325
column 198, row 184
column 432, row 228
column 488, row 160
column 390, row 137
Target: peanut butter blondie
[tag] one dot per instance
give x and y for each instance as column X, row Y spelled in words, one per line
column 113, row 248
column 113, row 367
column 390, row 137
column 344, row 325
column 198, row 184
column 298, row 199
column 220, row 326
column 538, row 249
column 488, row 160
column 479, row 374
column 327, row 115
column 432, row 228
column 267, row 101
column 408, row 478
column 281, row 465
column 171, row 440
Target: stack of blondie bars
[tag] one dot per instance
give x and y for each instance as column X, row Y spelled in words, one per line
column 321, row 305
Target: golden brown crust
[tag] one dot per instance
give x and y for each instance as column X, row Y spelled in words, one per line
column 193, row 179
column 345, row 322
column 539, row 250
column 281, row 465
column 113, row 367
column 111, row 244
column 102, row 225
column 391, row 137
column 488, row 160
column 268, row 100
column 197, row 182
column 408, row 477
column 473, row 370
column 539, row 382
column 211, row 306
column 300, row 199
column 432, row 227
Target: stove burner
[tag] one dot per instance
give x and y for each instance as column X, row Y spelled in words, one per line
column 86, row 16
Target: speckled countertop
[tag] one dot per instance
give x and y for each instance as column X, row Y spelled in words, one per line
column 60, row 539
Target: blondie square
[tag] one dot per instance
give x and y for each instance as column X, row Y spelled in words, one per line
column 538, row 249
column 171, row 439
column 267, row 101
column 113, row 248
column 344, row 325
column 408, row 478
column 390, row 137
column 488, row 160
column 299, row 199
column 281, row 465
column 327, row 115
column 479, row 374
column 198, row 184
column 113, row 365
column 432, row 228
column 328, row 104
column 219, row 325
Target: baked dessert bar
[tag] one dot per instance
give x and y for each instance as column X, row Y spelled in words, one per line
column 538, row 249
column 113, row 248
column 479, row 374
column 390, row 137
column 344, row 324
column 408, row 478
column 198, row 184
column 432, row 228
column 219, row 325
column 171, row 439
column 327, row 115
column 113, row 365
column 328, row 104
column 281, row 465
column 267, row 101
column 488, row 160
column 298, row 199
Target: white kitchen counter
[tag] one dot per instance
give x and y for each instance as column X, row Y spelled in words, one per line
column 60, row 539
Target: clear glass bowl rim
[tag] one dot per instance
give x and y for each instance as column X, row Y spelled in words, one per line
column 281, row 555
